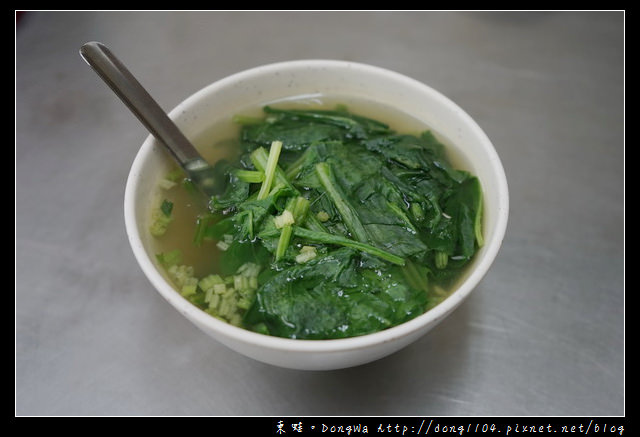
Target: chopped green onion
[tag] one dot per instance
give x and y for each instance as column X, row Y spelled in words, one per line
column 175, row 175
column 322, row 216
column 286, row 218
column 161, row 218
column 167, row 184
column 307, row 253
column 167, row 259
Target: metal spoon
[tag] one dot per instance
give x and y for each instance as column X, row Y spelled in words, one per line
column 152, row 116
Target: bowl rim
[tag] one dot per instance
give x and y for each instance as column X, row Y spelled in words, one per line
column 241, row 335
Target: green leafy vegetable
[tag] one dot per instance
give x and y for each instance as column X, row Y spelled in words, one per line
column 334, row 297
column 352, row 227
column 167, row 259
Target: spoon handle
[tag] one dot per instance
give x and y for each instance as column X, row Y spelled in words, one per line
column 138, row 100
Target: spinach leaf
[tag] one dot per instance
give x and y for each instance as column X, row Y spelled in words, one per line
column 334, row 297
column 456, row 233
column 295, row 135
column 356, row 228
column 417, row 153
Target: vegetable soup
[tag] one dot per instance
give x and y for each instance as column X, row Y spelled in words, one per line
column 338, row 218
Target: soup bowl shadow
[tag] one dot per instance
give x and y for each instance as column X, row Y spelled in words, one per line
column 316, row 78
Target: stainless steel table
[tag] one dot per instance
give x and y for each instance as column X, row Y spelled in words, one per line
column 543, row 334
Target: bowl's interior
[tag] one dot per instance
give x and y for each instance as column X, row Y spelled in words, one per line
column 256, row 87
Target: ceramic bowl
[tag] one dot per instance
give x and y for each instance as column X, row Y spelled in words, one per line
column 261, row 85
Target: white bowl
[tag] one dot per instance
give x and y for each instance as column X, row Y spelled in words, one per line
column 257, row 86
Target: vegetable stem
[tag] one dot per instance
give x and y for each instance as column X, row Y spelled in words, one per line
column 416, row 277
column 313, row 223
column 294, row 168
column 270, row 169
column 202, row 222
column 259, row 158
column 478, row 223
column 441, row 259
column 250, row 176
column 323, row 237
column 349, row 215
column 283, row 242
column 297, row 208
column 300, row 210
column 246, row 120
column 402, row 216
